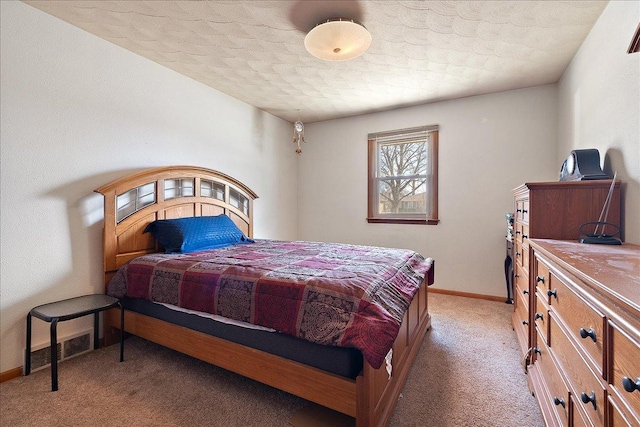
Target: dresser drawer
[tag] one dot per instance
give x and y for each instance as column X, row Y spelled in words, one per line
column 522, row 210
column 518, row 254
column 525, row 234
column 589, row 392
column 525, row 210
column 558, row 396
column 521, row 281
column 522, row 233
column 625, row 367
column 520, row 323
column 525, row 255
column 585, row 322
column 579, row 418
column 542, row 278
column 522, row 338
column 518, row 235
column 618, row 419
column 522, row 305
column 540, row 317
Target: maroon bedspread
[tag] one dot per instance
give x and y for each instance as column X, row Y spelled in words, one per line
column 332, row 294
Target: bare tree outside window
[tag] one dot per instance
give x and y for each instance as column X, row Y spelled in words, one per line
column 403, row 176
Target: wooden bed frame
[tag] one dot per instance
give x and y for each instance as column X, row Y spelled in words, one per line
column 134, row 201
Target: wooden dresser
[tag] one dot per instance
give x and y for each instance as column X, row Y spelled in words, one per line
column 550, row 210
column 585, row 356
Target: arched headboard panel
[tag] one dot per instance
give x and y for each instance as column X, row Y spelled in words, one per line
column 132, row 202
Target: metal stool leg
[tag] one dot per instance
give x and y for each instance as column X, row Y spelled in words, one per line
column 54, row 354
column 121, row 332
column 27, row 356
column 96, row 330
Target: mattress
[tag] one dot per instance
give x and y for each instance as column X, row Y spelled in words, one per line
column 343, row 361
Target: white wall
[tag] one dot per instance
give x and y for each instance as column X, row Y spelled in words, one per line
column 488, row 145
column 78, row 112
column 599, row 104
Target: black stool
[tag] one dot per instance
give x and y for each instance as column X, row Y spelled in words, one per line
column 66, row 310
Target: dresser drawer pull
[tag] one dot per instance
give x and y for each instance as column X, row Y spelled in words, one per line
column 553, row 293
column 524, row 322
column 525, row 292
column 629, row 385
column 525, row 236
column 537, row 350
column 558, row 402
column 518, row 210
column 590, row 333
column 524, row 211
column 540, row 279
column 586, row 398
column 517, row 232
column 517, row 253
column 539, row 316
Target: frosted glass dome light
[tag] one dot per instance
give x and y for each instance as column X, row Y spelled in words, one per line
column 338, row 39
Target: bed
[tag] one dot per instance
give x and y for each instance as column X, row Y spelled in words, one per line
column 343, row 379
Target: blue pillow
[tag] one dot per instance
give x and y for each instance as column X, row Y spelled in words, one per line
column 196, row 233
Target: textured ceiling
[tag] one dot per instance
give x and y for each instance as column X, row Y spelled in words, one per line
column 422, row 51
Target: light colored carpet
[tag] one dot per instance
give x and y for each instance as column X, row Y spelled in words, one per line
column 467, row 373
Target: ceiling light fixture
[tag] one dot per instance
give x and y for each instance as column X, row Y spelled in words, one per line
column 338, row 39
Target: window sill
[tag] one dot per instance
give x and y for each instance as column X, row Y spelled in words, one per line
column 430, row 221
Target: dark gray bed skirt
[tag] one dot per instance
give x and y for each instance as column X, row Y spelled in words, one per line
column 346, row 362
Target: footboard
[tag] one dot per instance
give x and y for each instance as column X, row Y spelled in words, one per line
column 377, row 393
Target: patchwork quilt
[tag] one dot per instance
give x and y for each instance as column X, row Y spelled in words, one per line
column 327, row 293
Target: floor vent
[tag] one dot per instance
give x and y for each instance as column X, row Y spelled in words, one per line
column 68, row 347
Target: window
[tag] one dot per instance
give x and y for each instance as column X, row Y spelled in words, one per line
column 403, row 176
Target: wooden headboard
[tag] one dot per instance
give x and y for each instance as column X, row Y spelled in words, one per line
column 132, row 202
